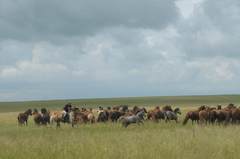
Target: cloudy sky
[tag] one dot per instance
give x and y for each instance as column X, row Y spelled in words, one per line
column 51, row 49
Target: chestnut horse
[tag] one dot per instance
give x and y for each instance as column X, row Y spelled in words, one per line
column 155, row 114
column 193, row 115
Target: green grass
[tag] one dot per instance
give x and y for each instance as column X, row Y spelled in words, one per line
column 141, row 101
column 112, row 141
column 103, row 141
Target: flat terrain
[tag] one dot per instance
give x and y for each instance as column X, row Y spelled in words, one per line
column 183, row 101
column 103, row 141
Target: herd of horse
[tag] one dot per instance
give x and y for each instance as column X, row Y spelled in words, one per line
column 127, row 116
column 212, row 115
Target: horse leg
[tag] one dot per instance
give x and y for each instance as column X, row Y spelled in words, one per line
column 166, row 120
column 125, row 124
column 58, row 124
column 51, row 120
column 73, row 124
column 176, row 120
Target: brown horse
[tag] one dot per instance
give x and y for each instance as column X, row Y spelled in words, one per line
column 203, row 116
column 56, row 116
column 156, row 114
column 89, row 115
column 236, row 115
column 41, row 118
column 192, row 115
column 223, row 115
column 78, row 117
column 37, row 117
column 212, row 115
column 23, row 117
column 136, row 110
column 167, row 108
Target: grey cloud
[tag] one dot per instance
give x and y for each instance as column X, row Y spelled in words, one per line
column 213, row 30
column 56, row 19
column 104, row 49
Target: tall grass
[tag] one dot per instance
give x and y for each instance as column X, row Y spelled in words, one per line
column 103, row 141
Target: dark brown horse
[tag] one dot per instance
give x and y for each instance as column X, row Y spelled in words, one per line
column 23, row 117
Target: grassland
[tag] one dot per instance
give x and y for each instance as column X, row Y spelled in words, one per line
column 183, row 101
column 103, row 141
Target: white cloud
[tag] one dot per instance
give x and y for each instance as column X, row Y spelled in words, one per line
column 187, row 7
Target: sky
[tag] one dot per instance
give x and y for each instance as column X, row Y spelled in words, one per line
column 53, row 49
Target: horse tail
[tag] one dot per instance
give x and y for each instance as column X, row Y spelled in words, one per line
column 186, row 119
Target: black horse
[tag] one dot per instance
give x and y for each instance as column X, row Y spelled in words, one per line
column 103, row 116
column 115, row 115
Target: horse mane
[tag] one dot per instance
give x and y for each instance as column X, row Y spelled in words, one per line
column 157, row 108
column 219, row 107
column 231, row 106
column 135, row 108
column 176, row 109
column 34, row 111
column 167, row 108
column 43, row 110
column 203, row 107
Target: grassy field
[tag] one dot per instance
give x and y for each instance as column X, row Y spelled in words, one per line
column 103, row 141
column 183, row 101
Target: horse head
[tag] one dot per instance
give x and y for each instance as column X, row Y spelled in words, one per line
column 34, row 112
column 145, row 110
column 203, row 107
column 219, row 107
column 44, row 111
column 177, row 111
column 75, row 109
column 28, row 112
column 141, row 114
column 231, row 106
